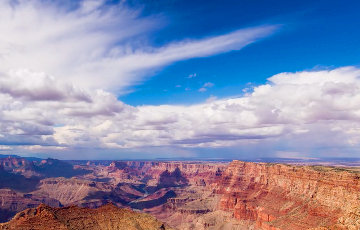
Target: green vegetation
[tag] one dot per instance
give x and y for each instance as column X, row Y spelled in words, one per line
column 321, row 168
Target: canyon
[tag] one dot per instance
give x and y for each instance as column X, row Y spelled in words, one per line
column 188, row 194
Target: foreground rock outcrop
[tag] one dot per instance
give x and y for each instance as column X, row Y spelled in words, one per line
column 107, row 217
column 12, row 202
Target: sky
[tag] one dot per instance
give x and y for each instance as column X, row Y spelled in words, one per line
column 234, row 79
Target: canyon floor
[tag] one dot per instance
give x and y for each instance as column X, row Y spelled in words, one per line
column 179, row 194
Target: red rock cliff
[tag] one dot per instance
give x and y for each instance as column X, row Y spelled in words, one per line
column 200, row 173
column 278, row 196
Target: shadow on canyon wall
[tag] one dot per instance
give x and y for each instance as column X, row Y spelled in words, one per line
column 153, row 203
column 17, row 182
column 57, row 168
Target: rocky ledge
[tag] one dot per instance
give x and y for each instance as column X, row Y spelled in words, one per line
column 106, row 217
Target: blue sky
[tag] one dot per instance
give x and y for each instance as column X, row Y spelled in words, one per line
column 313, row 35
column 97, row 79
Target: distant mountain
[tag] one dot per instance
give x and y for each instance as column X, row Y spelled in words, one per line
column 6, row 156
column 16, row 156
column 41, row 169
column 57, row 168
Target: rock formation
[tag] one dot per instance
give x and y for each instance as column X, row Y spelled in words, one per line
column 172, row 179
column 278, row 196
column 19, row 165
column 85, row 192
column 43, row 169
column 200, row 173
column 107, row 217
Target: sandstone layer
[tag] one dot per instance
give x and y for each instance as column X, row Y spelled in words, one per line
column 278, row 196
column 195, row 172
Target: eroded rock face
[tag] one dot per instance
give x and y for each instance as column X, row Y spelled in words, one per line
column 172, row 179
column 84, row 192
column 278, row 196
column 107, row 217
column 265, row 196
column 19, row 165
column 197, row 173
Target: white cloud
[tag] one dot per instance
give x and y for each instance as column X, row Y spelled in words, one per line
column 192, row 75
column 206, row 86
column 294, row 112
column 211, row 98
column 2, row 147
column 97, row 45
column 28, row 85
column 304, row 110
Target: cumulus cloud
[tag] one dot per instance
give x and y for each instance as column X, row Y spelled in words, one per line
column 32, row 104
column 294, row 112
column 28, row 85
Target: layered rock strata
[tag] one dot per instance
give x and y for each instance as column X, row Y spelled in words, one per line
column 278, row 196
column 197, row 173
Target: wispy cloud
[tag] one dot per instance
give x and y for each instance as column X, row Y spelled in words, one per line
column 192, row 75
column 205, row 87
column 208, row 84
column 97, row 45
column 212, row 98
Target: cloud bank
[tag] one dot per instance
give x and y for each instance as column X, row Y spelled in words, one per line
column 317, row 111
